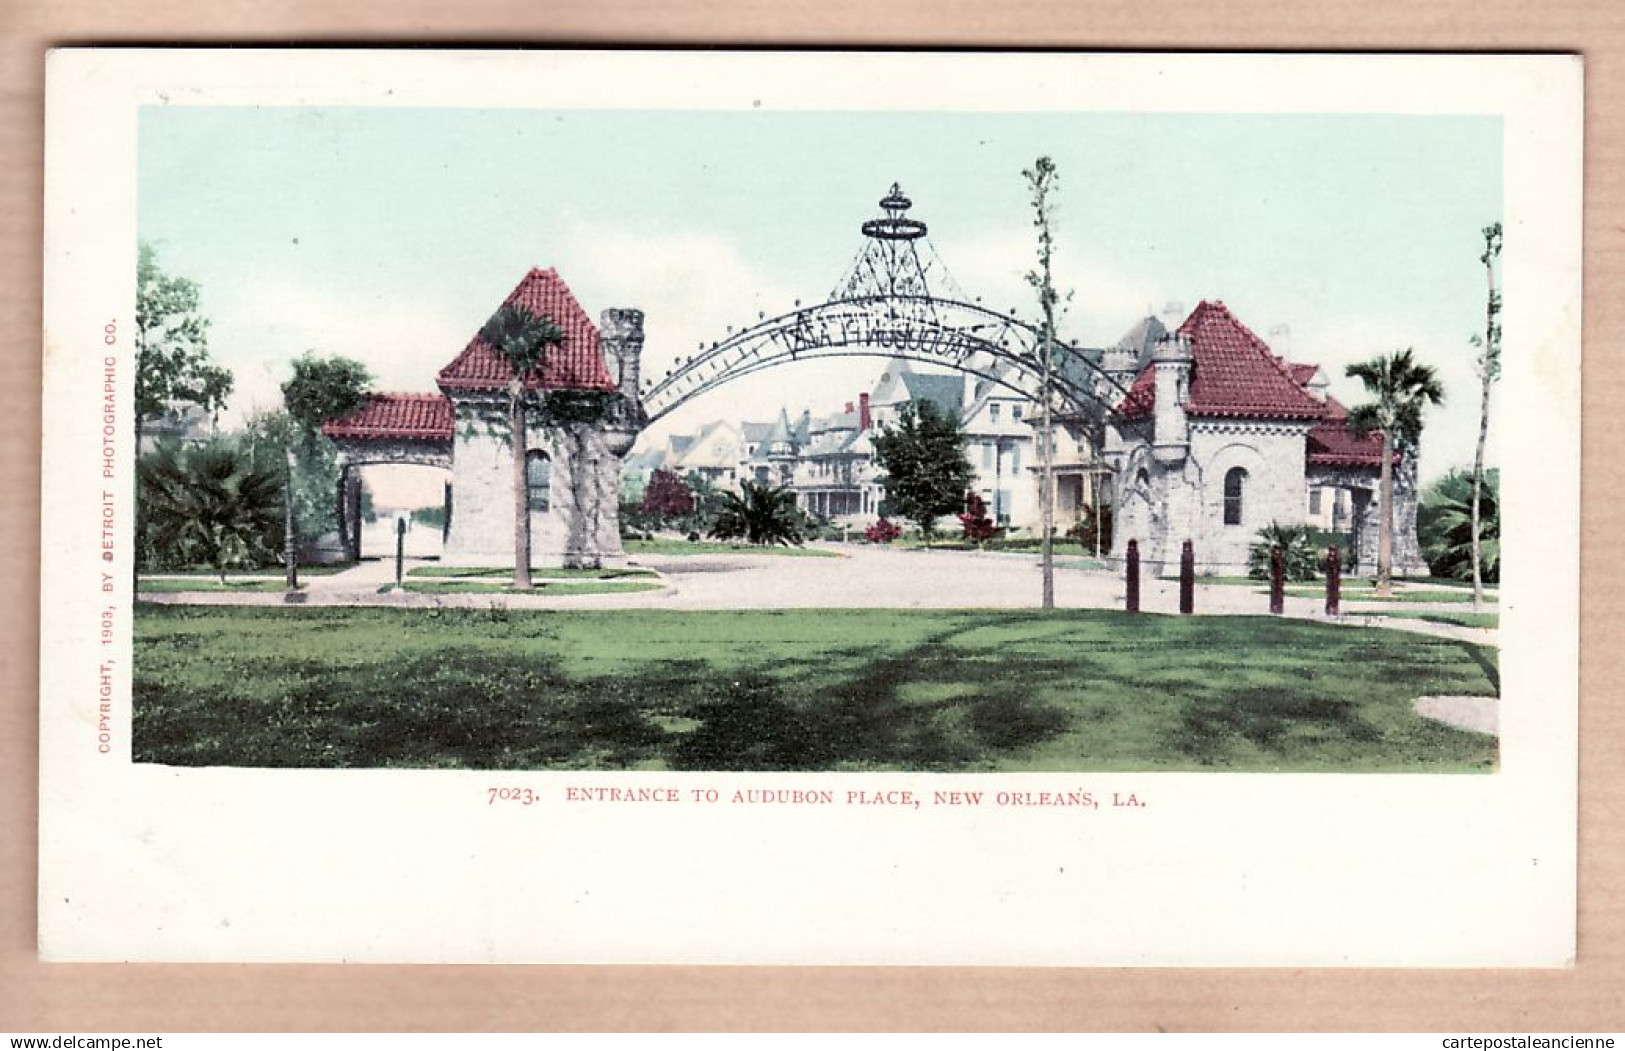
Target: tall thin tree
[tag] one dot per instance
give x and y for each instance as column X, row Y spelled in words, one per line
column 1489, row 370
column 320, row 389
column 1042, row 181
column 1399, row 386
column 520, row 339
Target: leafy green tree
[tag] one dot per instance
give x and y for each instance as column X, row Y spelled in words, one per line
column 1489, row 370
column 207, row 505
column 709, row 502
column 1400, row 387
column 320, row 389
column 521, row 339
column 758, row 514
column 172, row 344
column 1445, row 526
column 923, row 464
column 1299, row 557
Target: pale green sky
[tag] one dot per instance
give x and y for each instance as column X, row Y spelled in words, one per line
column 390, row 234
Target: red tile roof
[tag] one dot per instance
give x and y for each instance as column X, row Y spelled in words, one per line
column 1334, row 445
column 418, row 416
column 576, row 364
column 1233, row 373
column 1301, row 374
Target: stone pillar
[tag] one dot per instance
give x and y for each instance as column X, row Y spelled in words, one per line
column 1407, row 547
column 342, row 513
column 1367, row 505
column 350, row 501
column 620, row 334
column 1171, row 363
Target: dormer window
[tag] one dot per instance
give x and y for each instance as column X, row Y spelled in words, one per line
column 993, row 412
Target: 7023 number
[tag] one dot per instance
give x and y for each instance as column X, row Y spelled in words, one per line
column 522, row 796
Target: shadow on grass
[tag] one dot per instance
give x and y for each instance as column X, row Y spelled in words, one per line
column 484, row 711
column 492, row 689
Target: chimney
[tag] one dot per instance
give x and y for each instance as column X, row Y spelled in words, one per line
column 863, row 411
column 621, row 337
column 1173, row 315
column 848, row 409
column 1281, row 341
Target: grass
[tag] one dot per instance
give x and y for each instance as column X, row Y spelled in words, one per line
column 1463, row 620
column 662, row 546
column 929, row 690
column 538, row 573
column 542, row 587
column 325, row 570
column 149, row 586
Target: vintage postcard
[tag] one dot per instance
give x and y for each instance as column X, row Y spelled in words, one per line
column 1022, row 509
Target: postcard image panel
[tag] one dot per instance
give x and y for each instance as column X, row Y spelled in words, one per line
column 680, row 507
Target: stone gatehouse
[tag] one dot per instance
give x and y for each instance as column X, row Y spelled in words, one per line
column 573, row 469
column 1219, row 437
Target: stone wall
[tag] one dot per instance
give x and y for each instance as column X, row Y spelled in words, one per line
column 1273, row 491
column 1164, row 498
column 481, row 529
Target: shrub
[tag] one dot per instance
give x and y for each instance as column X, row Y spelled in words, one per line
column 884, row 531
column 1300, row 557
column 978, row 527
column 1083, row 530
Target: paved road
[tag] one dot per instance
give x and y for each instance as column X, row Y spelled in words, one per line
column 862, row 577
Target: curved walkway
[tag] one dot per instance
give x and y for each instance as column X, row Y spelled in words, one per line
column 863, row 577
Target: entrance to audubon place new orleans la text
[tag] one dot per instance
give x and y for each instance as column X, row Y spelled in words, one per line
column 896, row 301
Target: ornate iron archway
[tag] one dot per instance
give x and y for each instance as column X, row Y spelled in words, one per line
column 896, row 301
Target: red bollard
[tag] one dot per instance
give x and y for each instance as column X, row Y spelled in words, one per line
column 1133, row 567
column 1334, row 580
column 1277, row 580
column 1187, row 579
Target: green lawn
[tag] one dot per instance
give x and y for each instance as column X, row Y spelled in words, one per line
column 538, row 573
column 1463, row 620
column 541, row 587
column 662, row 546
column 149, row 586
column 793, row 690
column 268, row 571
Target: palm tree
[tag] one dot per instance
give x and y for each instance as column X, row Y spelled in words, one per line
column 1400, row 387
column 759, row 515
column 521, row 339
column 1445, row 522
column 207, row 505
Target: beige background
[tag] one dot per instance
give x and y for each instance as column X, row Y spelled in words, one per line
column 154, row 998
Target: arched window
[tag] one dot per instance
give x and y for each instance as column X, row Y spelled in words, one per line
column 539, row 479
column 1235, row 482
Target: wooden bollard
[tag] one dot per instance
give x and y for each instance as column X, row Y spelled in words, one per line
column 1277, row 580
column 1334, row 580
column 1187, row 579
column 1132, row 566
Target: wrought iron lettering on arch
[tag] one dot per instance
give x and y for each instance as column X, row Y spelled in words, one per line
column 897, row 300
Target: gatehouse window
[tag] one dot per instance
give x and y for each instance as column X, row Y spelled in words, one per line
column 1235, row 482
column 1314, row 501
column 538, row 479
